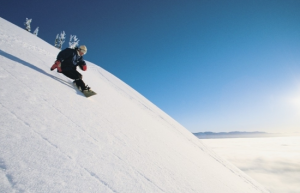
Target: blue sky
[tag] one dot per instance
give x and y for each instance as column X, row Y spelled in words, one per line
column 211, row 65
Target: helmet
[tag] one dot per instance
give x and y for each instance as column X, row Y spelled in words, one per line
column 83, row 49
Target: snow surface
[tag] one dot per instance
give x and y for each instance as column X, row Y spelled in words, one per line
column 53, row 139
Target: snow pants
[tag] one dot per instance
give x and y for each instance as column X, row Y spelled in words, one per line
column 75, row 75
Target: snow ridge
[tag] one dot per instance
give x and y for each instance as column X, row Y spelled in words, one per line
column 53, row 139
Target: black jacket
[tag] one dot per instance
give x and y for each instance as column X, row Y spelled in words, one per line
column 70, row 59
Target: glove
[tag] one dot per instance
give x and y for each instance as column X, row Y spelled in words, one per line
column 57, row 62
column 83, row 65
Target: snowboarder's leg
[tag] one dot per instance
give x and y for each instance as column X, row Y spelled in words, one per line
column 80, row 84
column 75, row 75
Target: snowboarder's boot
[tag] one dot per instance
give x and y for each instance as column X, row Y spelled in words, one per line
column 86, row 88
column 80, row 85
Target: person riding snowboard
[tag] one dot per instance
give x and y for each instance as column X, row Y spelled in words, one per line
column 67, row 61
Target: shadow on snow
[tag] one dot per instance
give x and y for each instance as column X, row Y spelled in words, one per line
column 16, row 59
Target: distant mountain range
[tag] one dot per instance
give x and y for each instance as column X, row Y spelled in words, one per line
column 239, row 134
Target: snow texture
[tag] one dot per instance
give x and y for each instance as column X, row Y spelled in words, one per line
column 53, row 139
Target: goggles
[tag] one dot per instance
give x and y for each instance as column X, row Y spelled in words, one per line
column 82, row 51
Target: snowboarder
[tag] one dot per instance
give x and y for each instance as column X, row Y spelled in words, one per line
column 67, row 62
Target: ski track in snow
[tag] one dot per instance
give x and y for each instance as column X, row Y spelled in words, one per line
column 10, row 178
column 99, row 180
column 3, row 166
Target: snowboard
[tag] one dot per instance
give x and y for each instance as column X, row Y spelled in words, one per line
column 87, row 93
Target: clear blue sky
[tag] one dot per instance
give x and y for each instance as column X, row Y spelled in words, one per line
column 211, row 65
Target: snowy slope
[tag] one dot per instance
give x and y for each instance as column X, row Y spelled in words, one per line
column 53, row 139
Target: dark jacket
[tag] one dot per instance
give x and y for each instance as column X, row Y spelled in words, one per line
column 70, row 59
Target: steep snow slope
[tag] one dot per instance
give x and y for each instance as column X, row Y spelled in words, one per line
column 53, row 139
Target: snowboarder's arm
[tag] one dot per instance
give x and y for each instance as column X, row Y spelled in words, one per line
column 64, row 54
